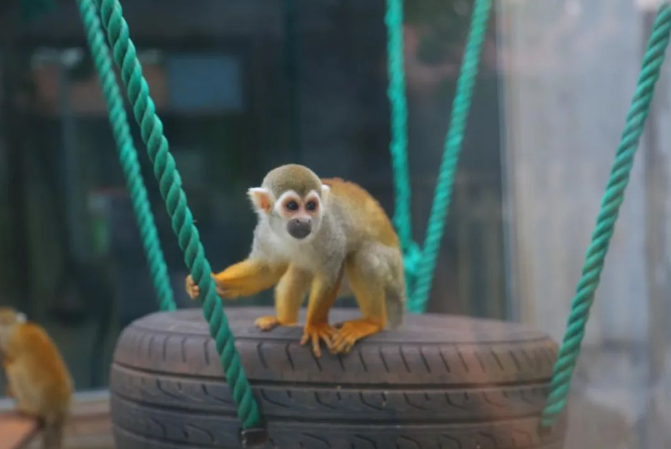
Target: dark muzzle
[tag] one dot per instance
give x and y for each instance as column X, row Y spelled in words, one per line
column 299, row 228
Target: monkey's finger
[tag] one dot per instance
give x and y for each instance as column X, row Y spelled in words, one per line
column 190, row 283
column 333, row 349
column 315, row 345
column 337, row 342
column 305, row 339
column 327, row 337
column 344, row 346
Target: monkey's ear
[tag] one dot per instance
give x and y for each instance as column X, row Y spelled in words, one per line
column 262, row 199
column 326, row 191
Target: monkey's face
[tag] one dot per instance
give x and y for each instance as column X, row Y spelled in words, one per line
column 291, row 216
column 300, row 217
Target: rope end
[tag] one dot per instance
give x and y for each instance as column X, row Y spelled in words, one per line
column 255, row 437
column 544, row 431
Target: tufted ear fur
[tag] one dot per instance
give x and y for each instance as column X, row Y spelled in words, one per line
column 326, row 191
column 262, row 199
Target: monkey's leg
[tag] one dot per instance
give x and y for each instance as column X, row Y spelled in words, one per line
column 289, row 295
column 323, row 294
column 247, row 278
column 369, row 293
column 52, row 433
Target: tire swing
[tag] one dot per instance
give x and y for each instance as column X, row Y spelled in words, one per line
column 439, row 382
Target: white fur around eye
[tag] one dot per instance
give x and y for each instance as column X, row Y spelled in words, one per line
column 313, row 196
column 21, row 318
column 279, row 205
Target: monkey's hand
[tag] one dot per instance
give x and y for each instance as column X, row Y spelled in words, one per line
column 267, row 323
column 316, row 332
column 192, row 288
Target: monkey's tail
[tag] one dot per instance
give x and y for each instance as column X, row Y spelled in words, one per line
column 52, row 433
column 395, row 294
column 395, row 299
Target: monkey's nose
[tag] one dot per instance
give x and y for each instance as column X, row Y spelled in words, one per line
column 299, row 228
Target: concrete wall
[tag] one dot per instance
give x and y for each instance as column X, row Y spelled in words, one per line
column 570, row 70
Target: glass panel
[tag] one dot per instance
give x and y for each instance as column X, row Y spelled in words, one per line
column 241, row 88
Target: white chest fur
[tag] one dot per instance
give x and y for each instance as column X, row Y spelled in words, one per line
column 301, row 254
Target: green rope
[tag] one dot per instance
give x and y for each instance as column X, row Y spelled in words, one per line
column 399, row 140
column 610, row 205
column 180, row 214
column 399, row 118
column 420, row 263
column 453, row 143
column 127, row 155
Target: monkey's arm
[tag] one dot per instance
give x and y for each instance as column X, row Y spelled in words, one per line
column 323, row 294
column 241, row 279
column 289, row 295
column 247, row 278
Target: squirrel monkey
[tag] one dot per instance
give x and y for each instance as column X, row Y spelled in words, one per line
column 37, row 376
column 318, row 234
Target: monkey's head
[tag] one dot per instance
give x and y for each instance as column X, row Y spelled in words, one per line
column 293, row 200
column 9, row 319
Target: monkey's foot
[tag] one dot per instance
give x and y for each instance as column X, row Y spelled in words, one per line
column 267, row 323
column 317, row 332
column 352, row 331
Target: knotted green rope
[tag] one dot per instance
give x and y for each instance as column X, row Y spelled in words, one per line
column 180, row 214
column 420, row 263
column 610, row 205
column 127, row 154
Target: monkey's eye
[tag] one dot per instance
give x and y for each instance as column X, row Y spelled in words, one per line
column 311, row 205
column 292, row 205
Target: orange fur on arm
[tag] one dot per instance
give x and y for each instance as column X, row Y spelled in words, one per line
column 247, row 278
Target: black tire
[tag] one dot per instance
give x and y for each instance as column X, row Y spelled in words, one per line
column 439, row 382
